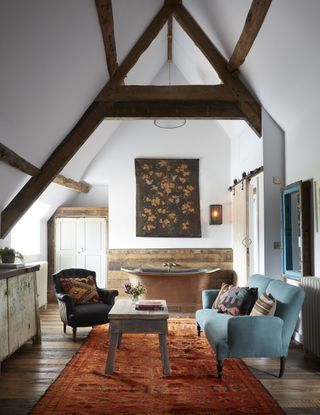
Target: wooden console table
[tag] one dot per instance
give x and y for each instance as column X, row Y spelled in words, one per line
column 124, row 318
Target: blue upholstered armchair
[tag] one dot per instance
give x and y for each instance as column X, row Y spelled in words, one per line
column 252, row 336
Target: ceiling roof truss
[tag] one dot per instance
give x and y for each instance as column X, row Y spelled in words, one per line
column 232, row 100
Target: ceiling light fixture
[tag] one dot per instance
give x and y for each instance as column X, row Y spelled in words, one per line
column 169, row 124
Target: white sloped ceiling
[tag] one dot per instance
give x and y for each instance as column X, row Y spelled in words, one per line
column 53, row 65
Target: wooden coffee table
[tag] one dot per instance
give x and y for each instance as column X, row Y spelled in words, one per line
column 124, row 318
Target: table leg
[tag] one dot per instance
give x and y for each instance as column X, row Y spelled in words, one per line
column 164, row 353
column 114, row 341
column 119, row 340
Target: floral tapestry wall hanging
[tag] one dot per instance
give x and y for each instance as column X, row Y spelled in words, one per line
column 167, row 198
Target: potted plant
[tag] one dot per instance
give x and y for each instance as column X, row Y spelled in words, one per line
column 8, row 255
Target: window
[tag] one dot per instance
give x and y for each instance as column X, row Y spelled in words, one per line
column 25, row 236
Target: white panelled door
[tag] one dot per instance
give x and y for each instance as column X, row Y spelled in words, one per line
column 247, row 208
column 241, row 241
column 81, row 243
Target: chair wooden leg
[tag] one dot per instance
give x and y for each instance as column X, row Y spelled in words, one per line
column 282, row 366
column 64, row 327
column 219, row 368
column 198, row 330
column 74, row 333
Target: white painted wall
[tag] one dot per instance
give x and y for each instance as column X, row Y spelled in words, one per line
column 247, row 153
column 273, row 166
column 246, row 148
column 114, row 166
column 302, row 161
column 97, row 197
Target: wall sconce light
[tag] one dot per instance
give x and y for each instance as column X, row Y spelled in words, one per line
column 215, row 214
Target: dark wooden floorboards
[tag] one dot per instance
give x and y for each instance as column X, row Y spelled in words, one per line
column 30, row 371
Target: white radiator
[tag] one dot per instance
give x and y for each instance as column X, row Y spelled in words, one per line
column 42, row 282
column 311, row 315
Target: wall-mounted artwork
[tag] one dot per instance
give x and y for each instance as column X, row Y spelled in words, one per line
column 167, row 198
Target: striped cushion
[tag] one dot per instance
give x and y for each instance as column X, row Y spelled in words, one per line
column 264, row 306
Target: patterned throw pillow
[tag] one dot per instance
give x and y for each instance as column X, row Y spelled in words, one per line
column 222, row 293
column 82, row 289
column 238, row 301
column 264, row 306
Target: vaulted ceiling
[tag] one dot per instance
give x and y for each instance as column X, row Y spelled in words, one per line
column 54, row 65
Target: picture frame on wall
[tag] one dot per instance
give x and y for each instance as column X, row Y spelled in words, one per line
column 167, row 198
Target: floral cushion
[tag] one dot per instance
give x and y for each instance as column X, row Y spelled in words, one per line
column 238, row 301
column 83, row 290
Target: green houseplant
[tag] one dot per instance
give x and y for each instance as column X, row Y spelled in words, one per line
column 8, row 255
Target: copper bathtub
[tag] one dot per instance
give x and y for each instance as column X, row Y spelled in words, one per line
column 180, row 287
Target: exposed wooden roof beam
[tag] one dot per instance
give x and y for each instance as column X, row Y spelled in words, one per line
column 173, row 2
column 105, row 14
column 142, row 44
column 247, row 104
column 169, row 53
column 80, row 187
column 196, row 110
column 254, row 21
column 13, row 159
column 176, row 93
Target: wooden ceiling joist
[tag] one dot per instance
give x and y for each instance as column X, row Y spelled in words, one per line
column 177, row 93
column 169, row 35
column 105, row 14
column 197, row 110
column 248, row 105
column 13, row 159
column 254, row 21
column 172, row 2
column 80, row 187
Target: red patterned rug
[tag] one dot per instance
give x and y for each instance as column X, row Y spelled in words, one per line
column 139, row 387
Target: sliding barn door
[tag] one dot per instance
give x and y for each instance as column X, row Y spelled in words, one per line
column 241, row 241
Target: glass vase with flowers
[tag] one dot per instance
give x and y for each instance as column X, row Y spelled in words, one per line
column 135, row 291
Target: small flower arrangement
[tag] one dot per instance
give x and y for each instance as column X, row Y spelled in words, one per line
column 134, row 290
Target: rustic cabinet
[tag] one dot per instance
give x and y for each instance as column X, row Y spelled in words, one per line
column 4, row 342
column 19, row 313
